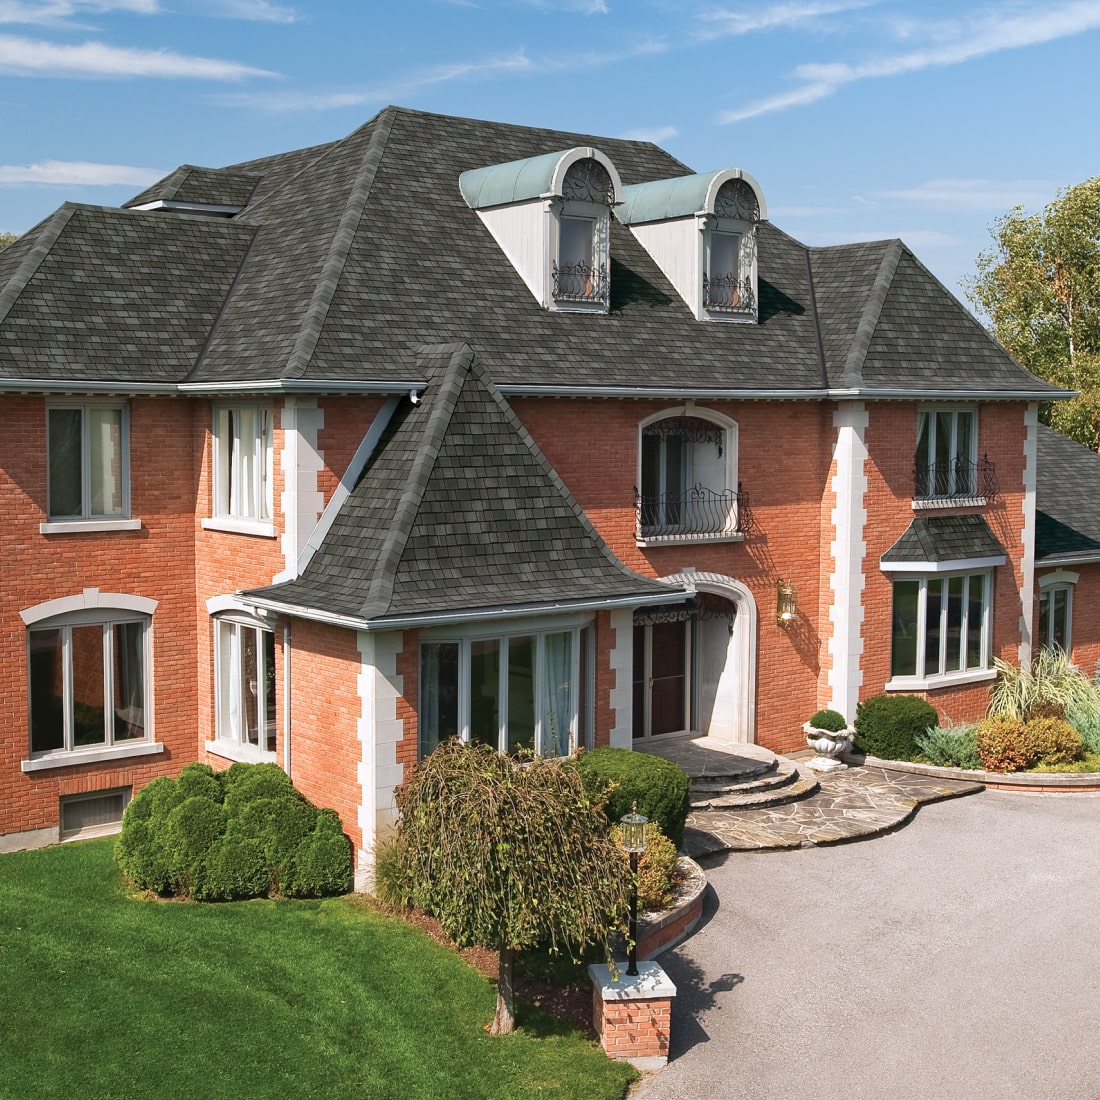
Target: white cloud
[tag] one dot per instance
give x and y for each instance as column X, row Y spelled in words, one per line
column 254, row 11
column 28, row 56
column 77, row 173
column 722, row 22
column 953, row 44
column 976, row 194
column 656, row 134
column 62, row 12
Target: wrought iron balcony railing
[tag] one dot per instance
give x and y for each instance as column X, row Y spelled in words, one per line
column 954, row 479
column 697, row 513
column 728, row 294
column 580, row 282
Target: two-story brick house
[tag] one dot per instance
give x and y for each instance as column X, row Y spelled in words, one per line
column 453, row 427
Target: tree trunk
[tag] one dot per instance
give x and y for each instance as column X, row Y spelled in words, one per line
column 504, row 1022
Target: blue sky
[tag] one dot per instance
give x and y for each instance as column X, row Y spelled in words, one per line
column 861, row 119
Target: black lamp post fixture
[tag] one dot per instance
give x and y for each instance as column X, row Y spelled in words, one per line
column 633, row 825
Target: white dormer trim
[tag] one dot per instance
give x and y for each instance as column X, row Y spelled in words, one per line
column 677, row 222
column 523, row 204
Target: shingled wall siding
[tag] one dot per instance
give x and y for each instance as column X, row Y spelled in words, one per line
column 155, row 562
column 783, row 462
column 891, row 441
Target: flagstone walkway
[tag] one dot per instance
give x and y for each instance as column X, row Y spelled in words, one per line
column 840, row 806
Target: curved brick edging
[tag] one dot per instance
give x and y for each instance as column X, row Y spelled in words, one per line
column 1021, row 782
column 658, row 932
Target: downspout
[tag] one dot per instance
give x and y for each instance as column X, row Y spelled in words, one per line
column 287, row 758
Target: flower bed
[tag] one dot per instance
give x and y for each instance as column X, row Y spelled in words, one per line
column 1025, row 782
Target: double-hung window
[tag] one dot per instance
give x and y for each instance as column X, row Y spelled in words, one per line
column 243, row 463
column 946, row 464
column 88, row 681
column 941, row 626
column 88, row 467
column 245, row 685
column 519, row 691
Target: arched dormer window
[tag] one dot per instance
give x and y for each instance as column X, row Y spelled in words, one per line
column 579, row 272
column 729, row 285
column 551, row 216
column 687, row 477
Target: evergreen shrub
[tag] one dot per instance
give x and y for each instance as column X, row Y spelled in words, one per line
column 245, row 832
column 832, row 721
column 887, row 726
column 951, row 746
column 623, row 777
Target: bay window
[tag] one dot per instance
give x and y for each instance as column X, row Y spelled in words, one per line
column 522, row 691
column 941, row 626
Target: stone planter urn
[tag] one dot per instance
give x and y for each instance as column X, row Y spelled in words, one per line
column 829, row 744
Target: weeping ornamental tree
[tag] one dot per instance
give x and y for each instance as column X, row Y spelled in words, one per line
column 1039, row 286
column 506, row 855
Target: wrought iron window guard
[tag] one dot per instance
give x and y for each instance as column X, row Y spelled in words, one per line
column 954, row 479
column 697, row 512
column 728, row 294
column 696, row 610
column 580, row 282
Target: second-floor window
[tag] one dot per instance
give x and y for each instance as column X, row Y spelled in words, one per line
column 946, row 464
column 688, row 480
column 243, row 462
column 583, row 225
column 88, row 475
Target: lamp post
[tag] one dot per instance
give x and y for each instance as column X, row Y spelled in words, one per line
column 633, row 825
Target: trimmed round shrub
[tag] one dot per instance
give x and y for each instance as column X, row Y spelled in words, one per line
column 1052, row 741
column 623, row 777
column 141, row 857
column 260, row 781
column 279, row 825
column 656, row 867
column 321, row 865
column 887, row 726
column 187, row 835
column 1003, row 745
column 832, row 721
column 235, row 868
column 199, row 781
column 154, row 801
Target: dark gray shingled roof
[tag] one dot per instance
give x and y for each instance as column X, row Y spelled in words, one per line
column 364, row 250
column 115, row 296
column 936, row 539
column 201, row 186
column 1067, row 501
column 457, row 510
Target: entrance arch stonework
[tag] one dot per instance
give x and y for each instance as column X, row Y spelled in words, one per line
column 727, row 672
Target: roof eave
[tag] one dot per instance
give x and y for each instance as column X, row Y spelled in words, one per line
column 806, row 393
column 462, row 615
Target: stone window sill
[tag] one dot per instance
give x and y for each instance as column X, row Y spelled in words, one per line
column 72, row 758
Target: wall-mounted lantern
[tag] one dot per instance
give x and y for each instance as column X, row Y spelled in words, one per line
column 785, row 609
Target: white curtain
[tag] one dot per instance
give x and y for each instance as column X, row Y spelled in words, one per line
column 558, row 665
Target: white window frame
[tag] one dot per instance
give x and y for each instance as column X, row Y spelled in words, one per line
column 931, row 414
column 539, row 630
column 232, row 508
column 105, row 617
column 1061, row 581
column 731, row 531
column 87, row 519
column 922, row 678
column 230, row 736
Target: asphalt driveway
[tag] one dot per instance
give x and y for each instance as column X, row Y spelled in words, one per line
column 957, row 957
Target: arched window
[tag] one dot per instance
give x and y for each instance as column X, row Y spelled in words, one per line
column 583, row 227
column 688, row 479
column 729, row 284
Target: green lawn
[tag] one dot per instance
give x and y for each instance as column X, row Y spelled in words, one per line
column 106, row 995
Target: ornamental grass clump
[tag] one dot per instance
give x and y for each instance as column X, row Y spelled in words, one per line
column 242, row 833
column 1048, row 687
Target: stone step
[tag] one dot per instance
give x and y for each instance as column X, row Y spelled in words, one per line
column 702, row 790
column 734, row 772
column 795, row 789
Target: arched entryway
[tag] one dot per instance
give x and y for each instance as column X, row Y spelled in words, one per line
column 695, row 663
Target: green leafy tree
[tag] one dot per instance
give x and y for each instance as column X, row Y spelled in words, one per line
column 506, row 855
column 6, row 239
column 1039, row 286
